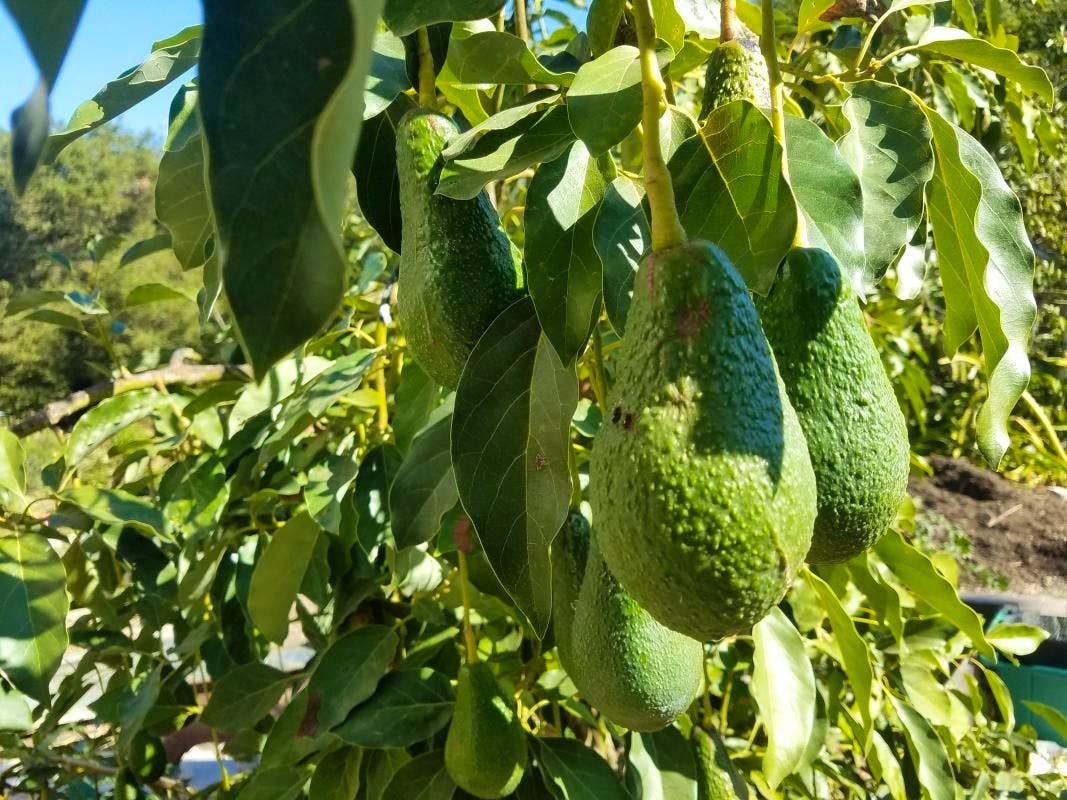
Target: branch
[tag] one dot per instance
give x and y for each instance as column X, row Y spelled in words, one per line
column 170, row 375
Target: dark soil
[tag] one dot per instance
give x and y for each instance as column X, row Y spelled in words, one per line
column 1015, row 532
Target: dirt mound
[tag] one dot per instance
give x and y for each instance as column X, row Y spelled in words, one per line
column 1014, row 531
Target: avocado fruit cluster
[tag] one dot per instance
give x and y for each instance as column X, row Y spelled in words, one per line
column 736, row 70
column 856, row 434
column 457, row 267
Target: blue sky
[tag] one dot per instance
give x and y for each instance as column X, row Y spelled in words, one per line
column 113, row 35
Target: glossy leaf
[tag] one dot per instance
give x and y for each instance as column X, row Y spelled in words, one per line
column 1016, row 638
column 828, row 195
column 621, row 237
column 1001, row 696
column 888, row 147
column 577, row 772
column 108, row 417
column 244, row 696
column 278, row 156
column 148, row 293
column 169, row 60
column 604, row 101
column 12, row 472
column 409, row 706
column 602, row 24
column 510, row 431
column 730, row 190
column 422, row 778
column 377, row 182
column 387, row 75
column 665, row 762
column 987, row 272
column 278, row 574
column 407, row 16
column 886, row 767
column 337, row 775
column 783, row 687
column 935, row 776
column 565, row 278
column 489, row 56
column 117, row 507
column 424, row 489
column 33, row 612
column 348, row 673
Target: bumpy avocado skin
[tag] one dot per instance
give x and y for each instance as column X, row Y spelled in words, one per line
column 570, row 551
column 717, row 777
column 485, row 750
column 637, row 672
column 736, row 70
column 457, row 267
column 702, row 490
column 857, row 436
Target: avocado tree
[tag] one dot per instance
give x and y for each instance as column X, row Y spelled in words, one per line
column 554, row 460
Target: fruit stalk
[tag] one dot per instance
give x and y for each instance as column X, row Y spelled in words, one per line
column 427, row 78
column 727, row 21
column 667, row 230
column 465, row 593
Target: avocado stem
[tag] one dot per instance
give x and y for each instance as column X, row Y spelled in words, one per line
column 381, row 340
column 427, row 78
column 667, row 230
column 465, row 593
column 727, row 21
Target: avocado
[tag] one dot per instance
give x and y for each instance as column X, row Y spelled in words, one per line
column 702, row 491
column 485, row 750
column 570, row 550
column 856, row 433
column 736, row 70
column 717, row 777
column 632, row 669
column 457, row 266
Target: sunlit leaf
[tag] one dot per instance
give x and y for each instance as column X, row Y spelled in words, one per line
column 621, row 237
column 278, row 574
column 935, row 775
column 407, row 16
column 109, row 417
column 604, row 101
column 117, row 507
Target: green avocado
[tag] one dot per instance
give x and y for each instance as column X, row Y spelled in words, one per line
column 856, row 433
column 457, row 266
column 570, row 551
column 632, row 669
column 485, row 750
column 702, row 491
column 717, row 777
column 735, row 71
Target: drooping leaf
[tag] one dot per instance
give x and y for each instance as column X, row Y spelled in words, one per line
column 783, row 687
column 730, row 190
column 244, row 696
column 828, row 195
column 48, row 29
column 377, row 182
column 424, row 489
column 665, row 762
column 422, row 778
column 407, row 16
column 278, row 574
column 577, row 773
column 347, row 674
column 604, row 102
column 888, row 146
column 987, row 272
column 886, row 767
column 109, row 417
column 118, row 507
column 565, row 276
column 935, row 775
column 12, row 472
column 170, row 59
column 33, row 612
column 144, row 248
column 278, row 155
column 489, row 56
column 621, row 237
column 510, row 432
column 410, row 706
column 1055, row 718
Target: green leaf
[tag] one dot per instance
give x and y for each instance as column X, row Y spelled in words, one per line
column 275, row 783
column 923, row 689
column 490, row 56
column 407, row 16
column 919, row 575
column 828, row 195
column 1016, row 638
column 116, row 507
column 279, row 384
column 987, row 272
column 135, row 708
column 604, row 101
column 109, row 417
column 387, row 75
column 855, row 657
column 1056, row 719
column 959, row 44
column 244, row 696
column 144, row 248
column 783, row 687
column 927, row 752
column 60, row 320
column 565, row 278
column 730, row 190
column 33, row 612
column 886, row 767
column 409, row 706
column 31, row 299
column 510, row 433
column 278, row 574
column 416, row 398
column 194, row 494
column 14, row 712
column 502, row 153
column 602, row 24
column 337, row 775
column 577, row 773
column 665, row 762
column 287, row 743
column 377, row 182
column 278, row 154
column 888, row 146
column 621, row 237
column 808, row 17
column 424, row 489
column 48, row 29
column 422, row 778
column 379, row 766
column 12, row 472
column 153, row 293
column 347, row 674
column 1001, row 696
